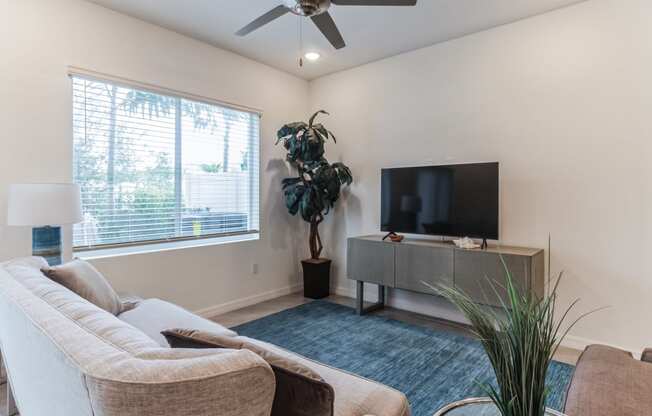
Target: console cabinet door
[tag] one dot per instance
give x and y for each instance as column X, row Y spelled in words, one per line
column 370, row 261
column 416, row 264
column 476, row 273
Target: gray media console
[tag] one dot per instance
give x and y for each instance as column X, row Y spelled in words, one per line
column 406, row 265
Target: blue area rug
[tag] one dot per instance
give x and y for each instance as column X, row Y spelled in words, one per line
column 433, row 368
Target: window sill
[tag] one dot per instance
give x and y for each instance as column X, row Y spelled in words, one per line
column 163, row 246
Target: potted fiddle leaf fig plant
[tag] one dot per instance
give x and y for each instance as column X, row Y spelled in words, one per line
column 313, row 193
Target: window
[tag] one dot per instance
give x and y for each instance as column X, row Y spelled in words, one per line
column 157, row 168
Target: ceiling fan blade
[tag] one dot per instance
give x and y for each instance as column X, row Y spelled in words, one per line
column 275, row 13
column 375, row 2
column 327, row 26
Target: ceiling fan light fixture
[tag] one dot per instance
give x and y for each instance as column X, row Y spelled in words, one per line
column 307, row 8
column 317, row 11
column 312, row 56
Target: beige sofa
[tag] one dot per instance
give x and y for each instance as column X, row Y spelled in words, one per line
column 66, row 357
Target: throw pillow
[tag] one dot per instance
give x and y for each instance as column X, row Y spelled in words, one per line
column 85, row 280
column 300, row 391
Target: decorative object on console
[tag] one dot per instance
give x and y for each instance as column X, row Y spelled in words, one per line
column 313, row 193
column 396, row 238
column 520, row 340
column 45, row 207
column 466, row 243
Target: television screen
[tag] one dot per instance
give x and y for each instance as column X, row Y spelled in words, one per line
column 453, row 200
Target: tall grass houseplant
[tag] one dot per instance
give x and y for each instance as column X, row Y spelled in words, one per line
column 520, row 338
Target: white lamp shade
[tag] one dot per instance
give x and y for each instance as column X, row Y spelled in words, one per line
column 39, row 205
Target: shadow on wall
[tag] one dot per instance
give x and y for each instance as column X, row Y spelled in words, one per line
column 348, row 211
column 291, row 233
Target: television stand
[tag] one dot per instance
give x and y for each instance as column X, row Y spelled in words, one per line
column 484, row 245
column 407, row 265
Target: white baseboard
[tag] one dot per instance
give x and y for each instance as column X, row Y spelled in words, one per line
column 345, row 291
column 233, row 305
column 580, row 343
column 577, row 343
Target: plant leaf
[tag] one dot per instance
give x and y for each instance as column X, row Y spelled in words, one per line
column 520, row 343
column 317, row 188
column 314, row 116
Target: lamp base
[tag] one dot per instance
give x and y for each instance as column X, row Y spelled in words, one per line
column 46, row 243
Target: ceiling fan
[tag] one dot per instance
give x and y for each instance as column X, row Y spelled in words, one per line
column 317, row 10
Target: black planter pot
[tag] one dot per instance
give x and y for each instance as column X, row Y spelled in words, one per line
column 316, row 278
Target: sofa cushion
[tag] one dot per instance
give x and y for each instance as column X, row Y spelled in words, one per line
column 190, row 338
column 299, row 390
column 85, row 280
column 354, row 395
column 608, row 381
column 152, row 316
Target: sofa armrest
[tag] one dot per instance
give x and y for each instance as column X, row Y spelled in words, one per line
column 184, row 382
column 647, row 355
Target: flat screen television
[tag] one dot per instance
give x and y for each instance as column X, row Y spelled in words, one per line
column 453, row 200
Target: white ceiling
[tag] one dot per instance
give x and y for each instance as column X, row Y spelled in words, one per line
column 371, row 33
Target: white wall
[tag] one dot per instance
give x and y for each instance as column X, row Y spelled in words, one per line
column 39, row 39
column 564, row 102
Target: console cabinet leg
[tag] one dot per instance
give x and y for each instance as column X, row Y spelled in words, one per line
column 359, row 299
column 381, row 295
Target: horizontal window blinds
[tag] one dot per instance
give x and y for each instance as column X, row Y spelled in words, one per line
column 155, row 167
